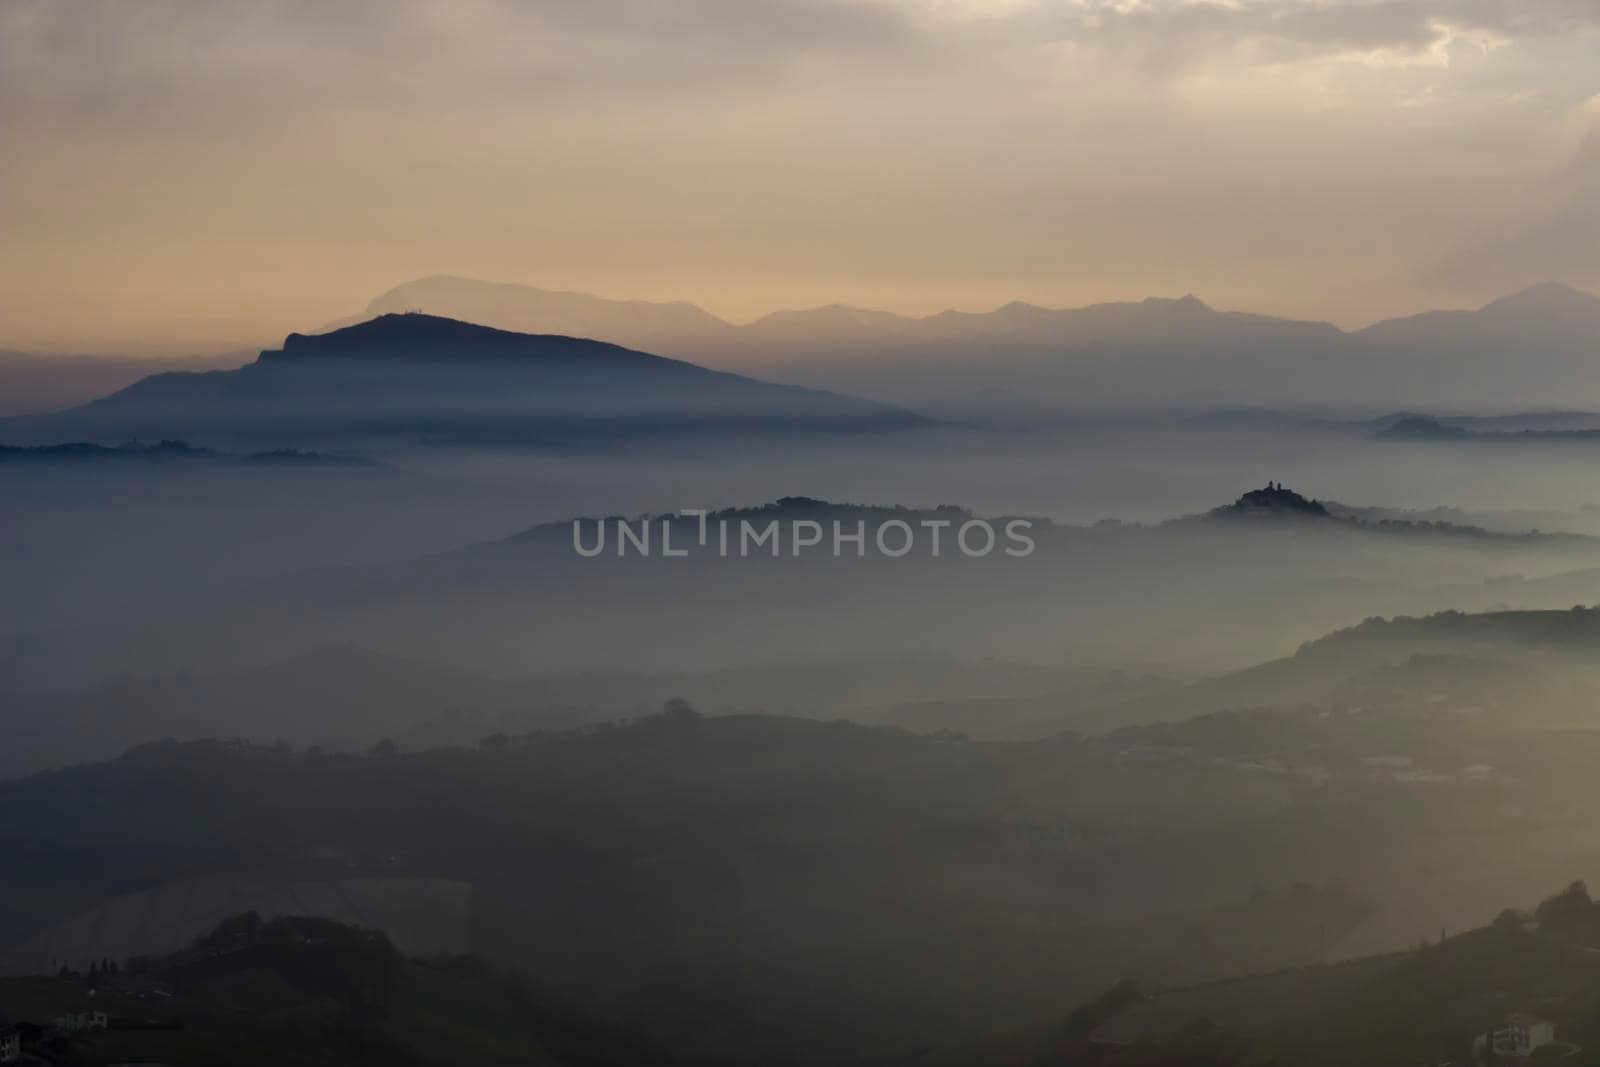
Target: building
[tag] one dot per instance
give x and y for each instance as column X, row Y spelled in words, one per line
column 10, row 1042
column 1521, row 1033
column 87, row 1019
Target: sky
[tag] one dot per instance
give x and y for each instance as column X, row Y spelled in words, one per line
column 189, row 177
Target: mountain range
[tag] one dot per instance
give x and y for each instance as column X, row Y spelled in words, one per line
column 1533, row 347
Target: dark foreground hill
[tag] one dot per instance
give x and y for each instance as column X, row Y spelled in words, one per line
column 311, row 992
column 1437, row 1003
column 1432, row 1005
column 418, row 378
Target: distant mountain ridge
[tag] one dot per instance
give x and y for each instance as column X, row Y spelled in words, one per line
column 531, row 309
column 492, row 300
column 1427, row 429
column 1534, row 347
column 1547, row 301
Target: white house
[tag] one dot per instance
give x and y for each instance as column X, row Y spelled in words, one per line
column 1521, row 1033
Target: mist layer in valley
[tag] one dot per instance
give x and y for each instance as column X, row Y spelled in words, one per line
column 355, row 631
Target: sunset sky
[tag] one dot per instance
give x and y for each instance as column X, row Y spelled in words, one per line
column 191, row 177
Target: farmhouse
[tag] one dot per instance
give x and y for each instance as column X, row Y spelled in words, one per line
column 1521, row 1033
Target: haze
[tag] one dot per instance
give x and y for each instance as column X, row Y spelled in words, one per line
column 202, row 177
column 916, row 533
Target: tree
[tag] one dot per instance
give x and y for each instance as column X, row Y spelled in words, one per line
column 1510, row 920
column 1569, row 910
column 680, row 710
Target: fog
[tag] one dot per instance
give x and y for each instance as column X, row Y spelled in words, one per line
column 800, row 533
column 92, row 543
column 308, row 665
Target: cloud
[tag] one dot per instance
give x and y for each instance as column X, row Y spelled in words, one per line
column 172, row 63
column 113, row 56
column 112, row 59
column 1302, row 156
column 1309, row 28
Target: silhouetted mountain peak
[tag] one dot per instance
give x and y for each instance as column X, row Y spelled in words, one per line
column 415, row 337
column 1547, row 299
column 425, row 377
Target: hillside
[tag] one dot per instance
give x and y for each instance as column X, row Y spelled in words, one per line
column 1535, row 666
column 1432, row 1003
column 1428, row 1005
